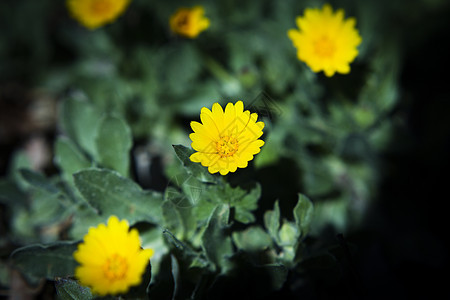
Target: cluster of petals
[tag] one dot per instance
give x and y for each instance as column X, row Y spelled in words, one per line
column 111, row 259
column 226, row 139
column 326, row 41
column 189, row 22
column 96, row 13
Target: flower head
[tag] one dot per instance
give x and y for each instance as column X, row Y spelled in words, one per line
column 111, row 259
column 189, row 22
column 95, row 13
column 226, row 140
column 325, row 41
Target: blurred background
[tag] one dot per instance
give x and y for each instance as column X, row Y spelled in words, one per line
column 370, row 148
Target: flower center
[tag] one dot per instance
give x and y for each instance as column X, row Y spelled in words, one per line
column 115, row 267
column 100, row 7
column 227, row 146
column 324, row 47
column 183, row 20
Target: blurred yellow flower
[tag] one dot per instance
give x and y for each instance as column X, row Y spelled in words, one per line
column 325, row 41
column 226, row 140
column 111, row 259
column 189, row 22
column 95, row 13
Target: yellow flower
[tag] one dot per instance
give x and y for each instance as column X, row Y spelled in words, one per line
column 111, row 259
column 325, row 41
column 95, row 13
column 189, row 22
column 226, row 140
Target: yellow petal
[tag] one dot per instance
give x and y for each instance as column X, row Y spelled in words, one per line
column 319, row 25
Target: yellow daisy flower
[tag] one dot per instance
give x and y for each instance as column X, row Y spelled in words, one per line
column 325, row 41
column 226, row 140
column 189, row 22
column 111, row 259
column 95, row 13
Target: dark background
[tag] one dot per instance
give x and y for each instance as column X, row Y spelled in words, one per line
column 403, row 245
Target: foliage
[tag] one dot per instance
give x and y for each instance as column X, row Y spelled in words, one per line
column 126, row 95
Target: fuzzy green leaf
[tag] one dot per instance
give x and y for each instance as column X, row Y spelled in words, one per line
column 215, row 241
column 50, row 261
column 177, row 214
column 242, row 200
column 288, row 234
column 79, row 120
column 246, row 204
column 253, row 238
column 113, row 142
column 11, row 194
column 38, row 180
column 204, row 208
column 272, row 221
column 68, row 289
column 69, row 158
column 303, row 214
column 192, row 189
column 111, row 194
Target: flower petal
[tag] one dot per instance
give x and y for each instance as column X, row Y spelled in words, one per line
column 325, row 40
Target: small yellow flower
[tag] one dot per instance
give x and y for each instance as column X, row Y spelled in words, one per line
column 111, row 259
column 189, row 22
column 95, row 13
column 226, row 140
column 325, row 41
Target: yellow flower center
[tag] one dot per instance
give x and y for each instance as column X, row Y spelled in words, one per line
column 100, row 7
column 115, row 267
column 227, row 146
column 324, row 47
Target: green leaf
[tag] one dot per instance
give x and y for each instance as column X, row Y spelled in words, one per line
column 253, row 238
column 50, row 261
column 177, row 214
column 111, row 194
column 303, row 214
column 47, row 208
column 272, row 221
column 204, row 208
column 246, row 204
column 192, row 189
column 215, row 241
column 19, row 160
column 196, row 169
column 10, row 193
column 68, row 289
column 113, row 142
column 288, row 234
column 84, row 218
column 42, row 186
column 79, row 120
column 69, row 158
column 243, row 201
column 38, row 180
